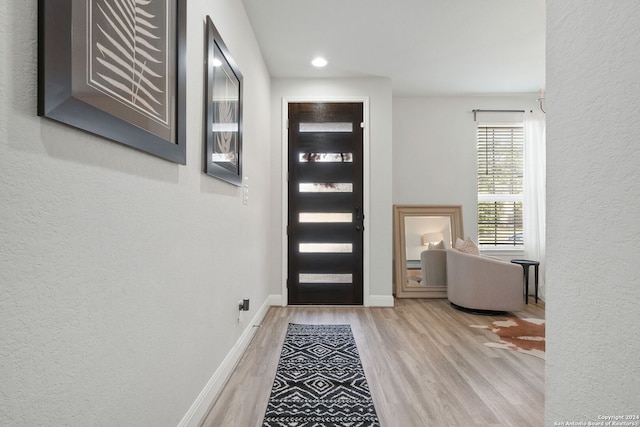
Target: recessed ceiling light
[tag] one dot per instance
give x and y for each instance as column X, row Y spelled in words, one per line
column 319, row 62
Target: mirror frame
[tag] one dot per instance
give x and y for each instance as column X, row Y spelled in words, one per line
column 400, row 212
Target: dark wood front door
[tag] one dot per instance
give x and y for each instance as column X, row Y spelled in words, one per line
column 325, row 224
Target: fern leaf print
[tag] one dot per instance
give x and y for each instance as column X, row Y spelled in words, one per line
column 128, row 54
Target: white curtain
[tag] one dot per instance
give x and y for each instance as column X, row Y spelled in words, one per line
column 534, row 203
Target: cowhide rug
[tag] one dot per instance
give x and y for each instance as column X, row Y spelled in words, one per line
column 523, row 335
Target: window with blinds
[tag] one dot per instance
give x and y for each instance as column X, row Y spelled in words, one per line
column 500, row 177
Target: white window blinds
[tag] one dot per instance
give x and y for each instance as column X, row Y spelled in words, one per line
column 500, row 178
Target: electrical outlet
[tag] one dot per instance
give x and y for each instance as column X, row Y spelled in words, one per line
column 243, row 305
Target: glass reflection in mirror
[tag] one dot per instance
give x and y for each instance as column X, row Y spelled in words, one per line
column 422, row 230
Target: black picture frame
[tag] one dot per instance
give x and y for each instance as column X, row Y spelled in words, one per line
column 92, row 77
column 223, row 110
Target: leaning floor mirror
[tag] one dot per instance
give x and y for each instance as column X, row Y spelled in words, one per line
column 422, row 233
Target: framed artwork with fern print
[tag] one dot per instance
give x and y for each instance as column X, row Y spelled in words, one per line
column 223, row 148
column 116, row 68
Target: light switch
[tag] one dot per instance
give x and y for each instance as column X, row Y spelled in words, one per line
column 245, row 191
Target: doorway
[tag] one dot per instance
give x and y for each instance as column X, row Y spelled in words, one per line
column 325, row 203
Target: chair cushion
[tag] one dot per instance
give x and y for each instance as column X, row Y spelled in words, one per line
column 467, row 246
column 439, row 245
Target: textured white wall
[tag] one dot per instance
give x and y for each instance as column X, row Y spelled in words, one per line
column 434, row 150
column 380, row 215
column 593, row 219
column 120, row 272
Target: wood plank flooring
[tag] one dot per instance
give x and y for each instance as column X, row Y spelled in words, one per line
column 425, row 367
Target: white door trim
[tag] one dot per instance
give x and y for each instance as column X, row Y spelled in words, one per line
column 366, row 190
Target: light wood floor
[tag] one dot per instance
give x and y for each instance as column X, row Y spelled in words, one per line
column 425, row 367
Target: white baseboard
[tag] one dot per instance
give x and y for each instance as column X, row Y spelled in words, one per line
column 380, row 301
column 214, row 386
column 276, row 300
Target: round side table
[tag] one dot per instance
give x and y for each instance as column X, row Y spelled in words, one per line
column 526, row 263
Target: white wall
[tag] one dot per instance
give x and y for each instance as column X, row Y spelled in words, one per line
column 434, row 150
column 593, row 189
column 120, row 272
column 378, row 90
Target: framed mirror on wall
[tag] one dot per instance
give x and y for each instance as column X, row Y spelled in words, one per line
column 421, row 235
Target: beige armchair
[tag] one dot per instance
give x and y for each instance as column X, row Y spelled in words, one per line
column 480, row 283
column 434, row 267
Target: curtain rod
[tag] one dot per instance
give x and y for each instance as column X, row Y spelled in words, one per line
column 494, row 111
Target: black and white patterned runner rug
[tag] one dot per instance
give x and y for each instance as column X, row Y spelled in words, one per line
column 320, row 381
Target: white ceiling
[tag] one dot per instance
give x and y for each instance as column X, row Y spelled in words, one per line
column 426, row 47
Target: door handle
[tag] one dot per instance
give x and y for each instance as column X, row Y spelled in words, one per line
column 359, row 215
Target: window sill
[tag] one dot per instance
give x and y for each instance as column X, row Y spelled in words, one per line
column 514, row 252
